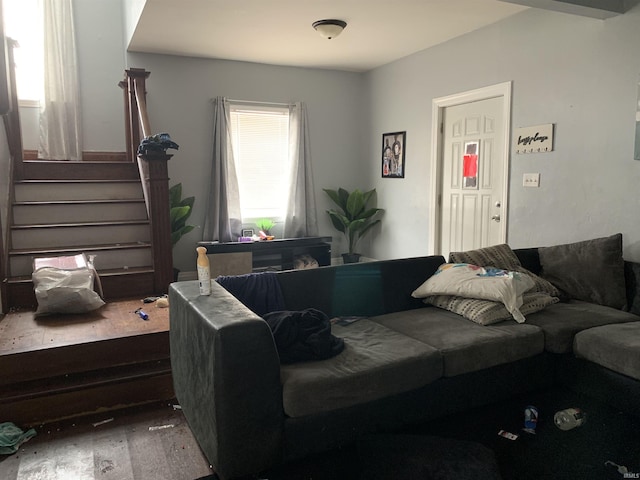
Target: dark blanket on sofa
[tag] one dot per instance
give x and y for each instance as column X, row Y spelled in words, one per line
column 303, row 335
column 260, row 292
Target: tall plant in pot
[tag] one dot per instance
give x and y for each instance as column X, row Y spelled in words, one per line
column 179, row 212
column 354, row 218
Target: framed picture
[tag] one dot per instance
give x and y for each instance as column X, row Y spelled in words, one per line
column 247, row 232
column 393, row 158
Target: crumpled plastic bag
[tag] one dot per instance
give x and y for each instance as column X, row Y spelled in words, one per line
column 156, row 143
column 11, row 437
column 65, row 291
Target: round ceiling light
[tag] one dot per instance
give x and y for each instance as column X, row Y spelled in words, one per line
column 329, row 28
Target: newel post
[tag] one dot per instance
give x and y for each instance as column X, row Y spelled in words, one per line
column 154, row 174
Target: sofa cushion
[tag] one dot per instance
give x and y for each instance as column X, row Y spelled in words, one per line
column 375, row 363
column 592, row 270
column 472, row 281
column 560, row 322
column 486, row 312
column 466, row 346
column 616, row 347
column 501, row 256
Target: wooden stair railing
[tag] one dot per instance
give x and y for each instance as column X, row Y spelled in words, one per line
column 13, row 131
column 153, row 174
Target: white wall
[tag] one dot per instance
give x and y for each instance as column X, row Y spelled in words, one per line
column 579, row 73
column 179, row 96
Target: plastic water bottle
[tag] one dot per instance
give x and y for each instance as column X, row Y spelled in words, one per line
column 204, row 272
column 569, row 418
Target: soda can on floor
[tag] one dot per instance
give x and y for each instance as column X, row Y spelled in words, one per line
column 530, row 419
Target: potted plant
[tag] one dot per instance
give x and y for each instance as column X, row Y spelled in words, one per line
column 265, row 225
column 354, row 219
column 179, row 212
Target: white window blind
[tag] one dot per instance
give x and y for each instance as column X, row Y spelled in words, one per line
column 261, row 151
column 23, row 23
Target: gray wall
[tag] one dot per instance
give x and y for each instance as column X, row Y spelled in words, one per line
column 576, row 72
column 579, row 73
column 179, row 96
column 101, row 62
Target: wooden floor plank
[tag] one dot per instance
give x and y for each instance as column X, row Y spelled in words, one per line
column 22, row 331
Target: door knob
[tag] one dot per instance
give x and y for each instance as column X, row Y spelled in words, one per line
column 496, row 218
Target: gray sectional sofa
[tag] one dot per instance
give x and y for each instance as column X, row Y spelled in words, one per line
column 405, row 361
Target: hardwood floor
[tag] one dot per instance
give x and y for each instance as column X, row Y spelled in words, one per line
column 151, row 442
column 63, row 366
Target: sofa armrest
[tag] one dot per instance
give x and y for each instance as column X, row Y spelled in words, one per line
column 226, row 375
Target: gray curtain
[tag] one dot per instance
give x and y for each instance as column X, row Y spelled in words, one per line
column 301, row 219
column 223, row 220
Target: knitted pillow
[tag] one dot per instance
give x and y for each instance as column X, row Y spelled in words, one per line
column 486, row 312
column 501, row 256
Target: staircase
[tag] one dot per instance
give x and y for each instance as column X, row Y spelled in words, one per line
column 116, row 208
column 65, row 208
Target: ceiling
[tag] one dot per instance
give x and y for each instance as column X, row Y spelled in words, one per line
column 279, row 32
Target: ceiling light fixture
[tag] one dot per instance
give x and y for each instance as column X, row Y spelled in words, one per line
column 329, row 28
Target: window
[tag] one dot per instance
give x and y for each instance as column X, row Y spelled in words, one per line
column 261, row 152
column 23, row 23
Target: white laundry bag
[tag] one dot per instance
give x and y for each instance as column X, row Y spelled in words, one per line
column 66, row 285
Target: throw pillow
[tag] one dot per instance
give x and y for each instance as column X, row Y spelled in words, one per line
column 502, row 256
column 486, row 312
column 471, row 281
column 592, row 270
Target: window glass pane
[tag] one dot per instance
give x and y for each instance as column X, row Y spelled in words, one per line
column 23, row 22
column 261, row 150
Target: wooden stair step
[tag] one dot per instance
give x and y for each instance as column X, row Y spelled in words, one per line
column 80, row 224
column 90, row 393
column 73, row 170
column 69, row 365
column 116, row 284
column 77, row 211
column 41, row 252
column 69, row 382
column 31, row 190
column 74, row 235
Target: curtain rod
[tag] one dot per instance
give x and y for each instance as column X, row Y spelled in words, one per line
column 260, row 104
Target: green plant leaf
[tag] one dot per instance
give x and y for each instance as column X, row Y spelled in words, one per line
column 333, row 195
column 179, row 211
column 340, row 222
column 356, row 220
column 175, row 194
column 355, row 204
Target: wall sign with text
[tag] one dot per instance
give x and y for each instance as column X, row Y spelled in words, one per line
column 536, row 139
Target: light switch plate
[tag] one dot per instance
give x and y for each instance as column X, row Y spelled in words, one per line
column 531, row 180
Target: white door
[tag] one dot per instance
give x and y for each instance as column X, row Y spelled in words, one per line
column 473, row 170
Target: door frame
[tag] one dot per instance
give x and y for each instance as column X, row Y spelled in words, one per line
column 437, row 112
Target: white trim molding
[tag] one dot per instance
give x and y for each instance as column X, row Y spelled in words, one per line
column 438, row 106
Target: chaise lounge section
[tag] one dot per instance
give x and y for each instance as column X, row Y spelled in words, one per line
column 403, row 362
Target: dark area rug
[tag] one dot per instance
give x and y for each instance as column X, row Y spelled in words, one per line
column 439, row 449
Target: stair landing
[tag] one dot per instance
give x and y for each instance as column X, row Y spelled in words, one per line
column 62, row 366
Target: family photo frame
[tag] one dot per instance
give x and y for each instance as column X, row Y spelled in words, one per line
column 393, row 154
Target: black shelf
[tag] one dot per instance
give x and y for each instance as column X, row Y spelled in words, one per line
column 276, row 254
